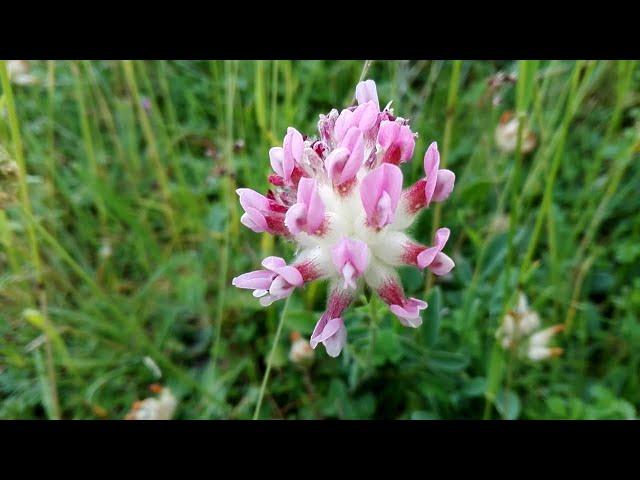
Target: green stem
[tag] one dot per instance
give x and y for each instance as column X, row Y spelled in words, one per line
column 265, row 378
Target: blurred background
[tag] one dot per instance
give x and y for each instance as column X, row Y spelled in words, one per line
column 120, row 234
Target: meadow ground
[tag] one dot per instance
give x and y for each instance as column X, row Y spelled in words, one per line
column 120, row 234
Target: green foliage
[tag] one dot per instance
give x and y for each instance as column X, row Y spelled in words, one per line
column 121, row 254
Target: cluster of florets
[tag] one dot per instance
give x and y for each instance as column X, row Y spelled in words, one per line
column 339, row 197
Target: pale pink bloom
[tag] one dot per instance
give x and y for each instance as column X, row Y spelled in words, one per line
column 351, row 258
column 439, row 183
column 396, row 142
column 285, row 159
column 380, row 193
column 433, row 258
column 343, row 163
column 367, row 92
column 261, row 214
column 338, row 196
column 363, row 117
column 276, row 282
column 330, row 329
column 406, row 309
column 331, row 333
column 308, row 214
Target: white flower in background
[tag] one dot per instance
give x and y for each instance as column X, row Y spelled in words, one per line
column 19, row 72
column 8, row 178
column 301, row 352
column 154, row 408
column 520, row 331
column 506, row 135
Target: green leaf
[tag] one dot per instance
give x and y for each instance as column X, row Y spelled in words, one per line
column 475, row 387
column 423, row 415
column 508, row 404
column 387, row 348
column 447, row 361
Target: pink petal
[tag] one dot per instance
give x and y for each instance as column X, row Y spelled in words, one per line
column 371, row 190
column 273, row 263
column 308, row 214
column 252, row 199
column 340, row 254
column 254, row 220
column 343, row 124
column 349, row 273
column 441, row 237
column 280, row 288
column 409, row 313
column 331, row 333
column 407, row 142
column 366, row 91
column 323, row 330
column 426, row 257
column 293, row 147
column 387, row 133
column 431, row 163
column 295, row 218
column 360, row 255
column 335, row 163
column 392, row 183
column 444, row 186
column 258, row 279
column 384, row 213
column 351, row 258
column 291, row 275
column 354, row 142
column 442, row 264
column 276, row 157
column 336, row 342
column 315, row 206
column 380, row 192
column 365, row 116
column 317, row 331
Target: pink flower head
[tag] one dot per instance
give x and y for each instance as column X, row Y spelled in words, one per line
column 276, row 282
column 284, row 159
column 439, row 184
column 433, row 258
column 261, row 214
column 366, row 91
column 396, row 142
column 308, row 214
column 337, row 195
column 380, row 192
column 343, row 163
column 351, row 258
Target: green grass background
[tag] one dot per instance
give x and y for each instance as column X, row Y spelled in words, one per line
column 125, row 235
